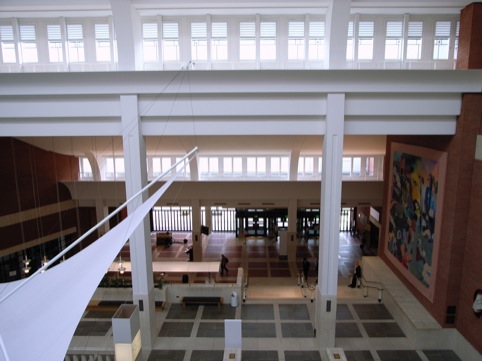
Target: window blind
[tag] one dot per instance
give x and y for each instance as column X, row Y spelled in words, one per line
column 350, row 29
column 102, row 31
column 394, row 29
column 442, row 29
column 27, row 32
column 170, row 30
column 6, row 33
column 198, row 30
column 317, row 29
column 53, row 32
column 149, row 30
column 365, row 29
column 219, row 30
column 247, row 30
column 296, row 29
column 268, row 29
column 415, row 29
column 74, row 32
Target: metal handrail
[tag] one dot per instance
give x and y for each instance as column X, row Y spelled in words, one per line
column 366, row 284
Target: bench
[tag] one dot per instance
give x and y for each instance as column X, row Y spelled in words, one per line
column 202, row 300
column 163, row 238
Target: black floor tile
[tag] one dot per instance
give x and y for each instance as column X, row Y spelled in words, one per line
column 441, row 355
column 343, row 312
column 178, row 312
column 259, row 356
column 176, row 329
column 258, row 329
column 347, row 329
column 225, row 312
column 257, row 312
column 372, row 311
column 92, row 328
column 210, row 329
column 293, row 312
column 398, row 355
column 171, row 355
column 359, row 356
column 206, row 355
column 383, row 329
column 293, row 330
column 302, row 355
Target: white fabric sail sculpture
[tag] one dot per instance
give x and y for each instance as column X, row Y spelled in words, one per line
column 38, row 319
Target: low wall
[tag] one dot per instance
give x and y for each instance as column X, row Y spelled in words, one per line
column 174, row 292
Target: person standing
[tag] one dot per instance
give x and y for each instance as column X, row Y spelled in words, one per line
column 356, row 274
column 224, row 262
column 306, row 268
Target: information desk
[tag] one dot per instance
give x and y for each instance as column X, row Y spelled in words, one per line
column 175, row 267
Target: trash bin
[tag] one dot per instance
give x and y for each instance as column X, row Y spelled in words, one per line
column 234, row 299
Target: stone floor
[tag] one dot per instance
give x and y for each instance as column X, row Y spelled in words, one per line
column 277, row 317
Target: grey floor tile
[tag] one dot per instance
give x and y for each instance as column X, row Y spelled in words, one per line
column 383, row 329
column 162, row 355
column 359, row 356
column 291, row 329
column 93, row 328
column 398, row 355
column 372, row 311
column 258, row 329
column 343, row 312
column 441, row 355
column 293, row 312
column 225, row 312
column 211, row 329
column 302, row 355
column 176, row 329
column 257, row 312
column 259, row 356
column 347, row 329
column 206, row 355
column 178, row 312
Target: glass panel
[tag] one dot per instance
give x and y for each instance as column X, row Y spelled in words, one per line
column 357, row 166
column 346, row 167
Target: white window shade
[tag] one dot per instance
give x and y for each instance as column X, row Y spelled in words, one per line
column 219, row 30
column 75, row 32
column 53, row 32
column 415, row 29
column 317, row 29
column 442, row 29
column 268, row 30
column 170, row 30
column 102, row 31
column 27, row 32
column 296, row 29
column 394, row 29
column 6, row 33
column 198, row 30
column 149, row 31
column 365, row 29
column 247, row 30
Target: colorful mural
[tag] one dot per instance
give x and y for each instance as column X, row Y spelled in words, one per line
column 415, row 197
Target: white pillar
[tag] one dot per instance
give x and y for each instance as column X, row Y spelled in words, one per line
column 127, row 26
column 336, row 33
column 140, row 241
column 209, row 218
column 292, row 240
column 330, row 204
column 101, row 212
column 197, row 237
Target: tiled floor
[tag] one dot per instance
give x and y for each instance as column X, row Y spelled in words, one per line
column 277, row 318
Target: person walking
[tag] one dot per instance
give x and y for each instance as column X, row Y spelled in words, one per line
column 224, row 262
column 356, row 274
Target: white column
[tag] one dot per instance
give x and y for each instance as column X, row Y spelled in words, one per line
column 197, row 237
column 127, row 26
column 140, row 242
column 101, row 212
column 336, row 33
column 209, row 218
column 330, row 204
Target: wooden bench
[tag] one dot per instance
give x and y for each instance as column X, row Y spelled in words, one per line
column 164, row 238
column 202, row 300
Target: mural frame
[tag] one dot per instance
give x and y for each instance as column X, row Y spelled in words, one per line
column 414, row 214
